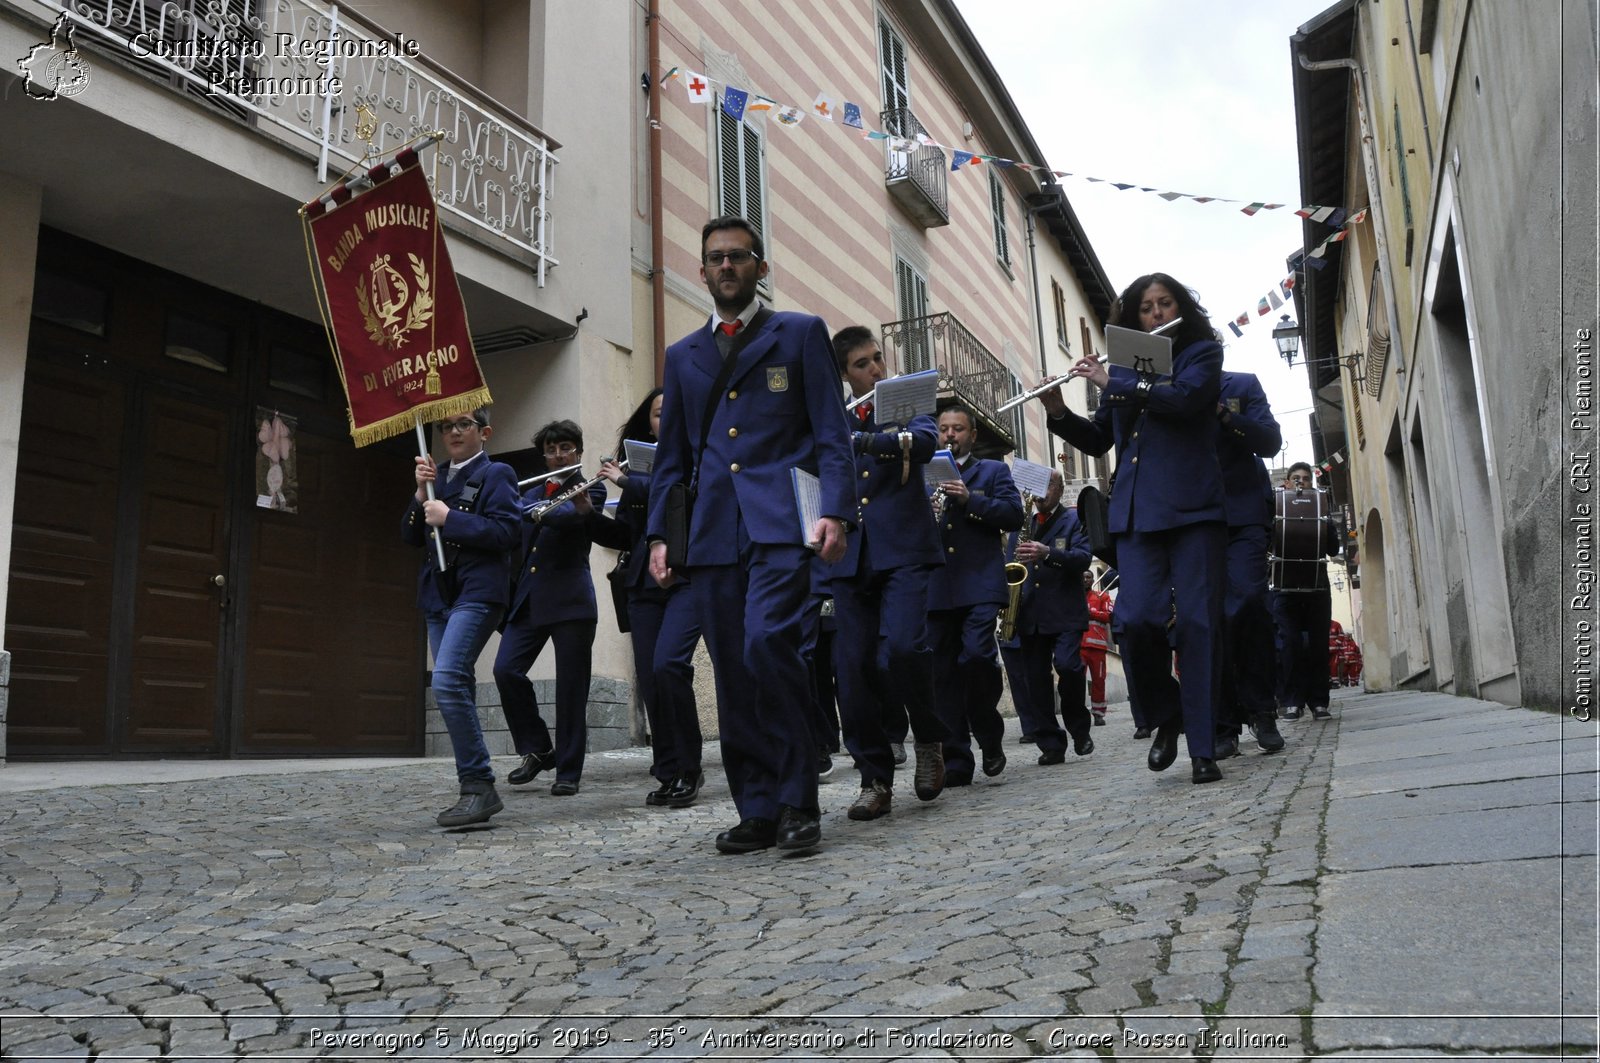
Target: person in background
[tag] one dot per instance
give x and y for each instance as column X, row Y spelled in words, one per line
column 1096, row 641
column 475, row 516
column 1305, row 616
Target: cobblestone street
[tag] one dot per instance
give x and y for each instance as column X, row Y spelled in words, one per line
column 1417, row 873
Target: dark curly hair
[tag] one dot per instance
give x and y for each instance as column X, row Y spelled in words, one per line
column 1196, row 318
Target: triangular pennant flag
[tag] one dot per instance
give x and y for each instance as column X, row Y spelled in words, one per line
column 822, row 106
column 1203, row 199
column 698, row 87
column 1121, row 186
column 1339, row 237
column 1004, row 164
column 1263, row 308
column 959, row 159
column 760, row 103
column 1287, row 287
column 1306, row 212
column 1321, row 213
column 1272, row 297
column 1025, row 166
column 1237, row 331
column 1357, row 218
column 1337, row 218
column 733, row 102
column 1170, row 196
column 1272, row 206
column 873, row 134
column 852, row 114
column 1243, row 319
column 790, row 115
column 668, row 76
column 1250, row 210
column 975, row 160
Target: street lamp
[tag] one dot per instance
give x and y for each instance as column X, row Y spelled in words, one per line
column 1287, row 336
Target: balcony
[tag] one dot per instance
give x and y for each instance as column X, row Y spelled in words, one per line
column 968, row 373
column 273, row 65
column 916, row 173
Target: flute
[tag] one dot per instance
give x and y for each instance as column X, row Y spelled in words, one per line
column 1053, row 382
column 541, row 478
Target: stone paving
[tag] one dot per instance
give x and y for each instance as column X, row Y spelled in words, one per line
column 1414, row 877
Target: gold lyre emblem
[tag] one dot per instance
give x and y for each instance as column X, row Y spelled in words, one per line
column 366, row 123
column 389, row 307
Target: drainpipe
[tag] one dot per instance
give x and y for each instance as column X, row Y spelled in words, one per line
column 1033, row 274
column 658, row 275
column 1416, row 76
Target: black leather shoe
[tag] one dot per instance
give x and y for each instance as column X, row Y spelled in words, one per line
column 1320, row 712
column 685, row 788
column 1164, row 750
column 798, row 829
column 1053, row 756
column 748, row 836
column 1026, row 740
column 994, row 765
column 1083, row 746
column 1206, row 770
column 653, row 798
column 1265, row 730
column 1099, row 719
column 478, row 802
column 1141, row 732
column 531, row 766
column 1226, row 746
column 563, row 788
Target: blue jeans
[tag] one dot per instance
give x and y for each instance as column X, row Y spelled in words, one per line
column 457, row 636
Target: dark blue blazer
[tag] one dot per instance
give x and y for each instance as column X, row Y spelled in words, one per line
column 1053, row 599
column 1246, row 433
column 781, row 410
column 477, row 535
column 896, row 527
column 973, row 537
column 1167, row 470
column 553, row 580
column 633, row 511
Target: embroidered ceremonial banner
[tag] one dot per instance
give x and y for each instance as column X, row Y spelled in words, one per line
column 399, row 328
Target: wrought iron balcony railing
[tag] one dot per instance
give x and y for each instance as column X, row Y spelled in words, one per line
column 297, row 71
column 916, row 172
column 967, row 371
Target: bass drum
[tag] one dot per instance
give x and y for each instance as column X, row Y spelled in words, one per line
column 1299, row 534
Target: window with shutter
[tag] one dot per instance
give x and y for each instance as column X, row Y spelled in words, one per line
column 741, row 190
column 911, row 296
column 892, row 53
column 997, row 202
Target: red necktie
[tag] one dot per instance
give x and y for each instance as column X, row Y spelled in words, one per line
column 728, row 328
column 1039, row 519
column 863, row 412
column 551, row 488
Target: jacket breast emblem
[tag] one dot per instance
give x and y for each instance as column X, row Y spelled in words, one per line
column 778, row 378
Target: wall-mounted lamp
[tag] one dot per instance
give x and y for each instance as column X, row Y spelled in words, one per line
column 1287, row 336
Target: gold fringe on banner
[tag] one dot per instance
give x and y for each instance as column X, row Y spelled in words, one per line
column 401, row 423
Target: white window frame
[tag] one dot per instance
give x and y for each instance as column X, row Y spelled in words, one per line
column 748, row 137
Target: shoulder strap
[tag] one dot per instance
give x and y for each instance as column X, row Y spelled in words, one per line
column 739, row 343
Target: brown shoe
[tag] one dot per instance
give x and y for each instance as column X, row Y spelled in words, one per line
column 930, row 770
column 872, row 802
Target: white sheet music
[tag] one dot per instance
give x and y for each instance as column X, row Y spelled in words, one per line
column 1139, row 351
column 808, row 503
column 940, row 467
column 641, row 456
column 896, row 400
column 1031, row 478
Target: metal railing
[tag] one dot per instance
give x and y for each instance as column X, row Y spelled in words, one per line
column 295, row 70
column 912, row 161
column 967, row 370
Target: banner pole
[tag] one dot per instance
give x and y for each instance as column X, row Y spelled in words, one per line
column 438, row 537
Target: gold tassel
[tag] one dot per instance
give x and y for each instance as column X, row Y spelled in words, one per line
column 431, row 386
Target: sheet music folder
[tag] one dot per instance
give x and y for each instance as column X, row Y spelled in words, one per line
column 641, row 456
column 898, row 399
column 1139, row 351
column 807, row 503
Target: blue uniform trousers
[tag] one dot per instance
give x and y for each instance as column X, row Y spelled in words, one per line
column 889, row 610
column 1040, row 654
column 665, row 633
column 1305, row 616
column 520, row 645
column 753, row 617
column 1249, row 665
column 1017, row 680
column 967, row 683
column 1183, row 566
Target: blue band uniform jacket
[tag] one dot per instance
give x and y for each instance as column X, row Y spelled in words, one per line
column 973, row 538
column 1053, row 600
column 480, row 529
column 1246, row 433
column 896, row 526
column 553, row 580
column 1167, row 472
column 781, row 409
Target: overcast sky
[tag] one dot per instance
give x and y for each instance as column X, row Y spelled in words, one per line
column 1183, row 96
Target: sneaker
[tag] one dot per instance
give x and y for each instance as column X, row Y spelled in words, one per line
column 1320, row 712
column 1265, row 732
column 1227, row 745
column 531, row 766
column 898, row 751
column 478, row 802
column 824, row 767
column 1291, row 713
column 930, row 770
column 872, row 802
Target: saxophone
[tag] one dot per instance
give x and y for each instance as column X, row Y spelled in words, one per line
column 1016, row 573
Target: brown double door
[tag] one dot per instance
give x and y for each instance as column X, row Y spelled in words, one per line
column 154, row 609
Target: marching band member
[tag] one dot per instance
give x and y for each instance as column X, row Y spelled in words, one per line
column 735, row 445
column 1247, row 433
column 965, row 596
column 1303, row 621
column 476, row 514
column 663, row 628
column 1052, row 616
column 553, row 602
column 881, row 588
column 1166, row 513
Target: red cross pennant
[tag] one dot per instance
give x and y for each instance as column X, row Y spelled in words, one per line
column 697, row 86
column 822, row 107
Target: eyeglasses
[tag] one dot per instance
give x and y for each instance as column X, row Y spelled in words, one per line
column 458, row 427
column 556, row 450
column 737, row 257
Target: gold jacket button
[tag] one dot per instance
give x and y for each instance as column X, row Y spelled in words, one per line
column 734, row 467
column 865, row 474
column 732, row 395
column 864, row 501
column 733, row 433
column 1136, row 459
column 949, row 549
column 532, row 570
